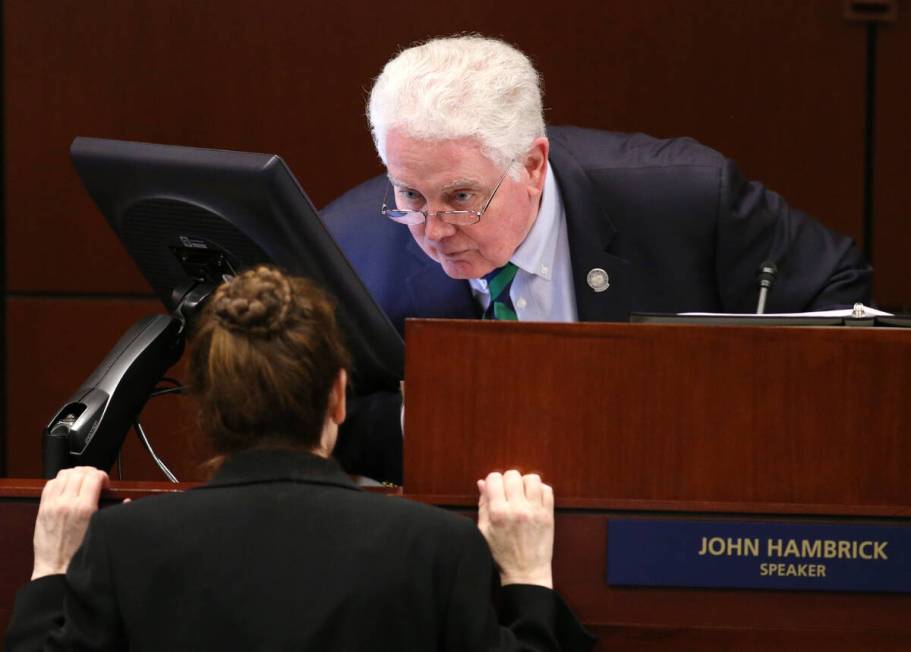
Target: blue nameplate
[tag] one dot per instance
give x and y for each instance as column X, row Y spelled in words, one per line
column 751, row 555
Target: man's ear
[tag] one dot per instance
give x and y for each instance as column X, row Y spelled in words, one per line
column 338, row 396
column 535, row 164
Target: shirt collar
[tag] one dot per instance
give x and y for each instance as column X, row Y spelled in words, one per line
column 537, row 252
column 259, row 465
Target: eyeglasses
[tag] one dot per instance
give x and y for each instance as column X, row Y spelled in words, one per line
column 457, row 218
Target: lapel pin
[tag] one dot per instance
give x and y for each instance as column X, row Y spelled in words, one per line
column 598, row 280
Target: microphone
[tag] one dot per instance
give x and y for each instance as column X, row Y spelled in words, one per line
column 766, row 276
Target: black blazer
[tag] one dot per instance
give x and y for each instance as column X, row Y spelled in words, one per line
column 282, row 552
column 672, row 222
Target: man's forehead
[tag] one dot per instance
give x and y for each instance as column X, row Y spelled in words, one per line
column 438, row 163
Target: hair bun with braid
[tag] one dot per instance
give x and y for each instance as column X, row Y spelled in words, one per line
column 256, row 303
column 264, row 358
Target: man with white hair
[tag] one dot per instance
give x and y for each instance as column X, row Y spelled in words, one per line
column 508, row 219
column 588, row 225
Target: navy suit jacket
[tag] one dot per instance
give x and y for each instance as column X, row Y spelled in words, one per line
column 672, row 222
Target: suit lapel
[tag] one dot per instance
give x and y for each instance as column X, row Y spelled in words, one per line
column 599, row 297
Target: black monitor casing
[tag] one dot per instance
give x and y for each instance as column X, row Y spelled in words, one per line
column 178, row 209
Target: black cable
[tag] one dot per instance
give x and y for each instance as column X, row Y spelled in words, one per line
column 162, row 391
column 148, row 446
column 177, row 388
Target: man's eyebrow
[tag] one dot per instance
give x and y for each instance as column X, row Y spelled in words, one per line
column 461, row 183
column 396, row 182
column 457, row 183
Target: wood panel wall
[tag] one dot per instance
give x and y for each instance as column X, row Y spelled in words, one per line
column 892, row 170
column 778, row 86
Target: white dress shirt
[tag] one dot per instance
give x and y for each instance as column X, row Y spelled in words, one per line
column 543, row 287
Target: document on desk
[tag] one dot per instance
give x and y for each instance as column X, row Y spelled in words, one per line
column 858, row 311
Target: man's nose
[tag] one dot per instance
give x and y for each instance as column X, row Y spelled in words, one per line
column 436, row 229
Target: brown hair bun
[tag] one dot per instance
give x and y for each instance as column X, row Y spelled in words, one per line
column 256, row 303
column 263, row 359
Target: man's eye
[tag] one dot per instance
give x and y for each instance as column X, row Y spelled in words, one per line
column 409, row 196
column 463, row 196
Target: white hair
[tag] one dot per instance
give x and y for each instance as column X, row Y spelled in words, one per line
column 460, row 87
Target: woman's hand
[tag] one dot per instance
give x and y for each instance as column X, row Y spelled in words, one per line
column 67, row 503
column 516, row 516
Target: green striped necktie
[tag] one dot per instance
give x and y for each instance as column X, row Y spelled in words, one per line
column 498, row 283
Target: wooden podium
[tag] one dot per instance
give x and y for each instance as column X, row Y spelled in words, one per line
column 676, row 422
column 668, row 422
